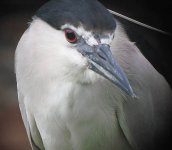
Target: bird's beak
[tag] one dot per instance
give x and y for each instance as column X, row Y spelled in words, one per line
column 102, row 62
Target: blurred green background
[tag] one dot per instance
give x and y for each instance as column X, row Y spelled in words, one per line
column 14, row 18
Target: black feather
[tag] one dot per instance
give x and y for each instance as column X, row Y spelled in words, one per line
column 88, row 13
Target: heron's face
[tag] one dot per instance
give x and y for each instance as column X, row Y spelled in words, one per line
column 89, row 52
column 76, row 55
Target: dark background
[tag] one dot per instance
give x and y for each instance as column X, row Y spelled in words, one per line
column 14, row 18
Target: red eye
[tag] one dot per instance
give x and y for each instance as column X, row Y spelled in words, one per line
column 70, row 36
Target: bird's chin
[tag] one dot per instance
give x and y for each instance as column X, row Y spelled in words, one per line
column 89, row 77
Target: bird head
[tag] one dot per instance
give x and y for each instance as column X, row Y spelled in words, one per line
column 71, row 40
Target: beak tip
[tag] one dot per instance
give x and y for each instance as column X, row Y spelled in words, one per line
column 132, row 94
column 130, row 91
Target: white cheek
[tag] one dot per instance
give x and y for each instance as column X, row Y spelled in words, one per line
column 45, row 54
column 45, row 57
column 74, row 59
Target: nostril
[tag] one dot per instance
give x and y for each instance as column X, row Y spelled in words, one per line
column 102, row 56
column 103, row 52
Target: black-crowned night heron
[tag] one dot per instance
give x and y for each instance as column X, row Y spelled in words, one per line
column 83, row 85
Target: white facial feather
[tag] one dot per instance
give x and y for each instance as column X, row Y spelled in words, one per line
column 58, row 92
column 88, row 36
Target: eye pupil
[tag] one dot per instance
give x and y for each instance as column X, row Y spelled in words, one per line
column 70, row 36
